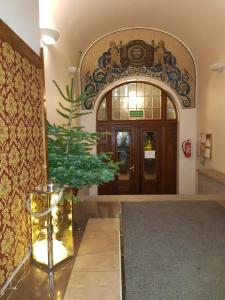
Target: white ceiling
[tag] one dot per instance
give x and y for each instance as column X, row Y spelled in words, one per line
column 200, row 24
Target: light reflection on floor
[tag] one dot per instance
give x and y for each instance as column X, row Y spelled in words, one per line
column 35, row 283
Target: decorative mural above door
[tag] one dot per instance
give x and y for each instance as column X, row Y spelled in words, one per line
column 110, row 59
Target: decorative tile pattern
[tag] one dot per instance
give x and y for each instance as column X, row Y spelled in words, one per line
column 139, row 57
column 21, row 153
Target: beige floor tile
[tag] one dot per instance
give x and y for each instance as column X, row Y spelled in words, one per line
column 99, row 235
column 98, row 263
column 96, row 274
column 104, row 220
column 100, row 246
column 94, row 286
column 150, row 198
column 103, row 226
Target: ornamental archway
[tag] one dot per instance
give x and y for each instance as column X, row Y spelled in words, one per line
column 101, row 74
column 142, row 52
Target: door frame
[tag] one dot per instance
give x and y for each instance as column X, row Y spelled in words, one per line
column 186, row 168
column 160, row 124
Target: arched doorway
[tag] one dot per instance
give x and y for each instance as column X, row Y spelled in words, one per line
column 142, row 121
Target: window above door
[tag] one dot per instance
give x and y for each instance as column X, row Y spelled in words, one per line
column 136, row 101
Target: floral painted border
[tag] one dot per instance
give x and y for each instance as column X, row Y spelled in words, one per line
column 139, row 58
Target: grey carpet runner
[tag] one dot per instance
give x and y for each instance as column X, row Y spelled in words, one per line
column 174, row 250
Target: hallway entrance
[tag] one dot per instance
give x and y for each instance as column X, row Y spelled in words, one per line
column 140, row 122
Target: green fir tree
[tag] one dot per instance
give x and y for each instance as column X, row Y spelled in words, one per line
column 70, row 161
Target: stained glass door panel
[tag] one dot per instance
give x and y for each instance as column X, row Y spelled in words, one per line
column 123, row 151
column 151, row 159
column 150, row 156
column 126, row 153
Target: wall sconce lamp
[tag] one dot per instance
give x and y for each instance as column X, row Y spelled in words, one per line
column 49, row 36
column 72, row 70
column 219, row 67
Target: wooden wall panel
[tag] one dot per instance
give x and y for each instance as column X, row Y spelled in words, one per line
column 170, row 157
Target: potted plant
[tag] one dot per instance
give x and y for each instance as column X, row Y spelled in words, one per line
column 70, row 161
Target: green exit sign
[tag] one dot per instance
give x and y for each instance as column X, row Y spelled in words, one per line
column 136, row 113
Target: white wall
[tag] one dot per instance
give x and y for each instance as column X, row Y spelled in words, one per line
column 22, row 16
column 211, row 116
column 205, row 39
column 57, row 57
column 187, row 129
column 56, row 64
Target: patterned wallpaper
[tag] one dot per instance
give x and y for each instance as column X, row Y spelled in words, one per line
column 21, row 153
column 138, row 52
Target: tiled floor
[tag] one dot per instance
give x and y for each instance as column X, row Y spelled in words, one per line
column 96, row 273
column 35, row 282
column 35, row 285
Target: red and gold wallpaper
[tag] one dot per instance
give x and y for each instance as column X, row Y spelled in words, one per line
column 21, row 153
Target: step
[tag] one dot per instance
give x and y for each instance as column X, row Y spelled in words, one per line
column 97, row 270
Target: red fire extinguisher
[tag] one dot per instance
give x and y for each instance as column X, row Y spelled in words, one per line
column 186, row 146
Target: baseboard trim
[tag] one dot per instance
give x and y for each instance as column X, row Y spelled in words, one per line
column 15, row 272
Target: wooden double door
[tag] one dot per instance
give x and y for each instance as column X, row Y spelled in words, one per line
column 148, row 156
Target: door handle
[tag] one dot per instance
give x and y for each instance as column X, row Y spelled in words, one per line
column 132, row 169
